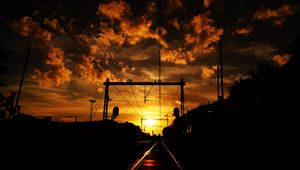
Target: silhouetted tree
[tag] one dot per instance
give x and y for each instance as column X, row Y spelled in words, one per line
column 266, row 97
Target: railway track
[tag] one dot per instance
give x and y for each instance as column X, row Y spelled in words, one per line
column 157, row 157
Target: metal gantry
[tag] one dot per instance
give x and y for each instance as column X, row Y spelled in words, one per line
column 181, row 83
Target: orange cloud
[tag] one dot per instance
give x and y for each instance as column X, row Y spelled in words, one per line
column 126, row 69
column 178, row 56
column 91, row 70
column 199, row 42
column 207, row 72
column 139, row 29
column 84, row 39
column 161, row 33
column 53, row 24
column 127, row 29
column 175, row 23
column 28, row 27
column 204, row 34
column 281, row 60
column 56, row 76
column 151, row 7
column 93, row 49
column 244, row 31
column 207, row 3
column 90, row 42
column 278, row 16
column 174, row 5
column 202, row 22
column 108, row 36
column 114, row 9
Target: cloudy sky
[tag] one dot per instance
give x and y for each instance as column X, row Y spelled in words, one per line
column 76, row 45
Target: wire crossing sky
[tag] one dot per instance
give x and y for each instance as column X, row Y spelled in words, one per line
column 76, row 45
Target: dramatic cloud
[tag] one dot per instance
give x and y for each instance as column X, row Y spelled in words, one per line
column 27, row 27
column 204, row 34
column 281, row 60
column 202, row 23
column 54, row 24
column 56, row 76
column 244, row 31
column 198, row 43
column 173, row 5
column 131, row 30
column 207, row 3
column 136, row 30
column 108, row 36
column 207, row 72
column 114, row 9
column 91, row 70
column 140, row 29
column 151, row 7
column 126, row 70
column 260, row 50
column 175, row 23
column 117, row 39
column 278, row 16
column 178, row 56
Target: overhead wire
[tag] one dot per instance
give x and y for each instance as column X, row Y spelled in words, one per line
column 111, row 57
column 98, row 102
column 116, row 89
column 140, row 108
column 114, row 63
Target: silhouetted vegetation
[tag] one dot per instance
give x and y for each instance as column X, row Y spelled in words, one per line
column 266, row 97
column 254, row 126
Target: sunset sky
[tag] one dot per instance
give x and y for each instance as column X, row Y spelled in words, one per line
column 76, row 45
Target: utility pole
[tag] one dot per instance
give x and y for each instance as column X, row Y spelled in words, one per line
column 106, row 99
column 17, row 108
column 181, row 97
column 158, row 51
column 220, row 74
column 181, row 83
column 92, row 102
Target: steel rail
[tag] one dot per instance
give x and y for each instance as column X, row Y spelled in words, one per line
column 173, row 157
column 139, row 161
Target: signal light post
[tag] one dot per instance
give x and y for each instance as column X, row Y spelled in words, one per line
column 181, row 83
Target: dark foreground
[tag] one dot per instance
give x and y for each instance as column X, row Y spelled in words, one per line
column 34, row 144
column 31, row 144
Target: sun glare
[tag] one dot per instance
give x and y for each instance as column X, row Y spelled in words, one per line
column 150, row 122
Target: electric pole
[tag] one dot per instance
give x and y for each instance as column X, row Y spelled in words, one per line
column 92, row 102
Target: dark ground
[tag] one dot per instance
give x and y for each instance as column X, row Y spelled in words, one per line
column 32, row 144
column 38, row 144
column 236, row 149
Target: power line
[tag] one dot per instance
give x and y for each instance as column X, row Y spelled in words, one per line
column 158, row 51
column 125, row 99
column 98, row 102
column 145, row 95
column 115, row 64
column 136, row 99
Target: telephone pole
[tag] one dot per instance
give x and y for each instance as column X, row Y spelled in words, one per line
column 17, row 108
column 220, row 85
column 92, row 102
